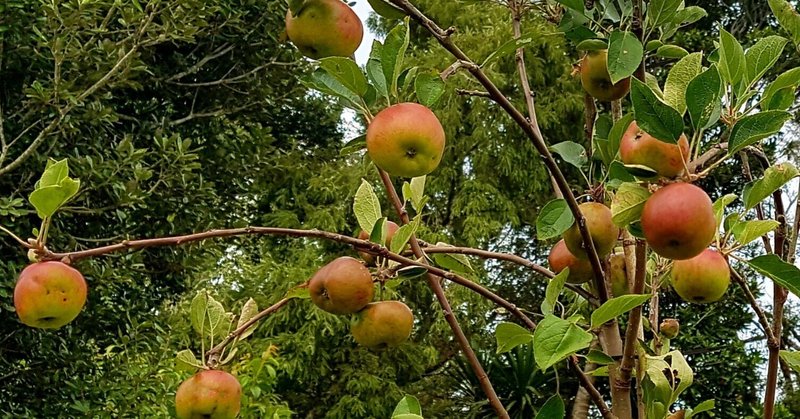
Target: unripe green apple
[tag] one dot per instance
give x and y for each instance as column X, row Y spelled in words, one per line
column 678, row 221
column 703, row 278
column 382, row 324
column 344, row 286
column 596, row 80
column 618, row 275
column 603, row 231
column 639, row 147
column 211, row 394
column 49, row 295
column 391, row 228
column 560, row 258
column 325, row 28
column 406, row 140
column 669, row 328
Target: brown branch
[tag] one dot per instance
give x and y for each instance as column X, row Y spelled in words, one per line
column 509, row 257
column 529, row 127
column 597, row 398
column 762, row 317
column 712, row 153
column 234, row 79
column 438, row 291
column 214, row 353
column 623, row 382
column 476, row 93
column 220, row 51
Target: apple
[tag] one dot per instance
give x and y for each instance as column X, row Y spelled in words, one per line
column 639, row 147
column 703, row 278
column 211, row 394
column 406, row 140
column 603, row 231
column 678, row 221
column 669, row 328
column 560, row 258
column 618, row 275
column 343, row 286
column 369, row 258
column 325, row 28
column 382, row 324
column 49, row 295
column 596, row 80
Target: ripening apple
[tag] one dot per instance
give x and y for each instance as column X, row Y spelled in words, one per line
column 678, row 221
column 49, row 295
column 325, row 28
column 560, row 258
column 618, row 275
column 406, row 140
column 603, row 231
column 669, row 328
column 343, row 286
column 211, row 394
column 703, row 278
column 382, row 324
column 391, row 228
column 596, row 80
column 639, row 147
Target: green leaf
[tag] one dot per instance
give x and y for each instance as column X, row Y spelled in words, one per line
column 429, row 87
column 689, row 15
column 324, row 82
column 788, row 18
column 186, row 361
column 653, row 45
column 774, row 178
column 47, row 200
column 782, row 100
column 403, row 235
column 54, row 173
column 379, row 232
column 671, row 51
column 554, row 219
column 347, row 72
column 249, row 310
column 753, row 128
column 408, row 405
column 554, row 288
column 625, row 53
column 572, row 153
column 576, row 5
column 617, row 175
column 627, row 204
column 599, row 358
column 411, row 272
column 392, row 54
column 510, row 47
column 720, row 204
column 553, row 408
column 731, row 58
column 215, row 315
column 783, row 273
column 762, row 56
column 616, row 133
column 511, row 335
column 654, row 116
column 703, row 98
column 555, row 339
column 592, row 44
column 197, row 311
column 386, row 9
column 452, row 261
column 704, row 406
column 792, row 359
column 353, row 146
column 788, row 80
column 746, row 231
column 662, row 11
column 679, row 78
column 375, row 71
column 366, row 206
column 616, row 306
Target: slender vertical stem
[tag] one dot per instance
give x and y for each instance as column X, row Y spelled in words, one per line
column 436, row 286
